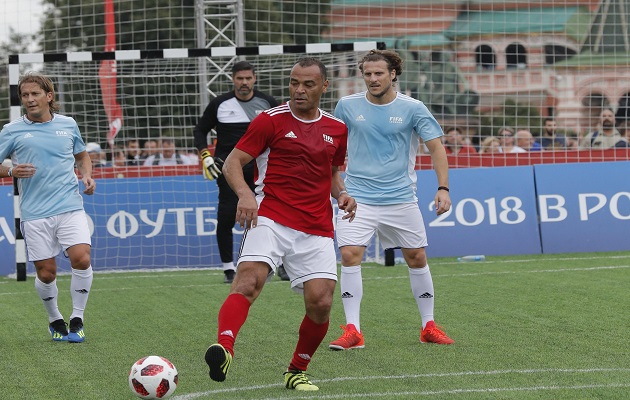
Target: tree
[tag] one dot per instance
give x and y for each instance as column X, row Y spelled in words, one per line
column 516, row 115
column 79, row 25
column 17, row 43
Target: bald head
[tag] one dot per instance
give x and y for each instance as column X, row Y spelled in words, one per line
column 524, row 139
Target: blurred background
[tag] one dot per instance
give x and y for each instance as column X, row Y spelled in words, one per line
column 478, row 65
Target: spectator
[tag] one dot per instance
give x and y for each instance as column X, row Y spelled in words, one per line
column 168, row 156
column 624, row 129
column 132, row 152
column 150, row 148
column 607, row 136
column 119, row 158
column 571, row 140
column 97, row 155
column 506, row 137
column 190, row 154
column 525, row 139
column 549, row 140
column 490, row 145
column 455, row 143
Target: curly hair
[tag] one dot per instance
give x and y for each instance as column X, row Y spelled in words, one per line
column 393, row 60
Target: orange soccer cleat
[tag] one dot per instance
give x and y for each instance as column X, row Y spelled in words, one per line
column 351, row 339
column 432, row 334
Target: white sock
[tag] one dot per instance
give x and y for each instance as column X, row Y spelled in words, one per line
column 422, row 289
column 80, row 286
column 351, row 286
column 228, row 266
column 48, row 292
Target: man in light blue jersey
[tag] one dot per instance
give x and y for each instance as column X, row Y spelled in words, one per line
column 384, row 131
column 44, row 147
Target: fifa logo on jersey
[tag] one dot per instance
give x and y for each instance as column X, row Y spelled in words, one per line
column 62, row 133
column 395, row 120
column 328, row 139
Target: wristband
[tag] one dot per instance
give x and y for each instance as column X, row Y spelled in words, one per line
column 10, row 172
column 443, row 188
column 341, row 192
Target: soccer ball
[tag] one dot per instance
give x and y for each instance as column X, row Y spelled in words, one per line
column 153, row 377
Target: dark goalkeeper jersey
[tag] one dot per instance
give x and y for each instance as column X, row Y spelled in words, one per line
column 229, row 117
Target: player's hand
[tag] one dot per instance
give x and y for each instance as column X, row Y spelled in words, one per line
column 442, row 202
column 211, row 165
column 247, row 212
column 348, row 204
column 23, row 171
column 90, row 185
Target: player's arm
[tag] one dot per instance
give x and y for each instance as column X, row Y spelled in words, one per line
column 206, row 123
column 210, row 166
column 440, row 165
column 21, row 171
column 247, row 207
column 84, row 165
column 338, row 191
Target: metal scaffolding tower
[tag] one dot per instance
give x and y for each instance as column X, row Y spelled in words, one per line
column 217, row 21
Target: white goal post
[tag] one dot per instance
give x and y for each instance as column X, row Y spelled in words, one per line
column 169, row 223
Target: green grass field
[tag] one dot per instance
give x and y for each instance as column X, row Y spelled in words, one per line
column 526, row 327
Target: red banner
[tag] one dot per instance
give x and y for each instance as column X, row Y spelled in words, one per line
column 107, row 77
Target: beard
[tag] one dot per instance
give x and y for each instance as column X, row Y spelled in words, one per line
column 382, row 93
column 244, row 90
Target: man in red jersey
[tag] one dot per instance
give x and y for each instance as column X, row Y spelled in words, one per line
column 298, row 150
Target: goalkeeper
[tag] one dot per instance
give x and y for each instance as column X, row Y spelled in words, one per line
column 229, row 115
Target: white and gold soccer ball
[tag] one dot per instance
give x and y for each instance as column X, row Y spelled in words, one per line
column 153, row 377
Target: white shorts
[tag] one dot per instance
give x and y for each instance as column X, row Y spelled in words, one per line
column 304, row 256
column 397, row 226
column 46, row 237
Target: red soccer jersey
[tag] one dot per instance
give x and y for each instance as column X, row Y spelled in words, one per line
column 294, row 160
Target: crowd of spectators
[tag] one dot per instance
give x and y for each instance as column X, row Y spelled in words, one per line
column 609, row 133
column 152, row 152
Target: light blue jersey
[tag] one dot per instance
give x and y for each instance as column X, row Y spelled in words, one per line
column 382, row 145
column 50, row 147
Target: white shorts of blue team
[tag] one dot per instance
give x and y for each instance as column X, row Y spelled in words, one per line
column 304, row 256
column 46, row 237
column 397, row 226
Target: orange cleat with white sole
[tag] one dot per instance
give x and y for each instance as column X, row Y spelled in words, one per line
column 351, row 339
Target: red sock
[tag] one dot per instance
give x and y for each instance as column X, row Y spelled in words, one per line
column 310, row 337
column 232, row 316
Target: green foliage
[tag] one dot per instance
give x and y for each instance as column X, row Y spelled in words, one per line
column 526, row 327
column 79, row 25
column 513, row 114
column 17, row 43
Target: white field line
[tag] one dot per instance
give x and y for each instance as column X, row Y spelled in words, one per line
column 115, row 273
column 388, row 394
column 438, row 275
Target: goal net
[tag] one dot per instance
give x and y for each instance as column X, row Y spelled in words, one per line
column 165, row 216
column 498, row 71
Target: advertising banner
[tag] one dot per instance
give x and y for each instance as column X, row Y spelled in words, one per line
column 7, row 235
column 493, row 212
column 170, row 222
column 584, row 206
